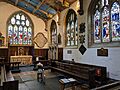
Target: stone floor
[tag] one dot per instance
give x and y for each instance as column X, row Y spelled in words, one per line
column 28, row 80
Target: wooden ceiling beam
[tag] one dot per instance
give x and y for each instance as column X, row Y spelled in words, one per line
column 24, row 9
column 42, row 11
column 35, row 8
column 27, row 3
column 38, row 6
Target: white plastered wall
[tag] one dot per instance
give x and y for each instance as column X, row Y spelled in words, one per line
column 112, row 62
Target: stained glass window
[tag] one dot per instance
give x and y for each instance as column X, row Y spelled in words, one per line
column 105, row 25
column 115, row 21
column 20, row 29
column 71, row 29
column 53, row 32
column 106, row 21
column 97, row 31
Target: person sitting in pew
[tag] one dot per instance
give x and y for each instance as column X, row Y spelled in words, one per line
column 40, row 72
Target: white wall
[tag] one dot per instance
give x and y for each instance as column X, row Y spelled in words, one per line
column 6, row 10
column 112, row 62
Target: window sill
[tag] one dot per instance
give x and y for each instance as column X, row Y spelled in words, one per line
column 99, row 45
column 71, row 47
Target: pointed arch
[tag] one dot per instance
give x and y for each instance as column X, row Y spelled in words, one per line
column 104, row 27
column 71, row 23
column 20, row 29
column 53, row 32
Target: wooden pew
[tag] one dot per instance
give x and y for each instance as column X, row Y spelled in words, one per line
column 86, row 74
column 14, row 66
column 111, row 86
column 3, row 74
column 7, row 80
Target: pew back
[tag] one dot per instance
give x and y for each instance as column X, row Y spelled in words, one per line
column 7, row 80
column 89, row 73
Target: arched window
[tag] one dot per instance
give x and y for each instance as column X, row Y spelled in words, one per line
column 20, row 29
column 71, row 29
column 53, row 29
column 105, row 23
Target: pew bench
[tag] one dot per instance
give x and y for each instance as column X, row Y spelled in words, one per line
column 14, row 66
column 111, row 86
column 87, row 75
column 82, row 78
column 7, row 80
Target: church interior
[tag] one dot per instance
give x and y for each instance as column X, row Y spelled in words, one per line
column 59, row 45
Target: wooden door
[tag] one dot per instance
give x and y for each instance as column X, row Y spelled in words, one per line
column 60, row 53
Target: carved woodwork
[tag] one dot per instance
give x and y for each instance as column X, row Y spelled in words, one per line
column 41, row 52
column 40, row 40
column 87, row 74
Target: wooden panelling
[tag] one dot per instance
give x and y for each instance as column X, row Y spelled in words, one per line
column 27, row 50
column 4, row 54
column 41, row 52
column 80, row 71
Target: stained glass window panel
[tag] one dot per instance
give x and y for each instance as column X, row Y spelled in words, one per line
column 10, row 33
column 25, row 35
column 22, row 17
column 53, row 32
column 106, row 2
column 68, row 26
column 27, row 23
column 97, row 31
column 103, row 3
column 20, row 30
column 13, row 20
column 20, row 35
column 18, row 22
column 29, row 35
column 71, row 29
column 105, row 25
column 23, row 23
column 72, row 25
column 10, row 30
column 115, row 21
column 15, row 37
column 76, row 34
column 18, row 16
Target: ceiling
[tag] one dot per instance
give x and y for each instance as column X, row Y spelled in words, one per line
column 44, row 9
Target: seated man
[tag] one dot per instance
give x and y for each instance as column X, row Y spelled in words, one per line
column 40, row 72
